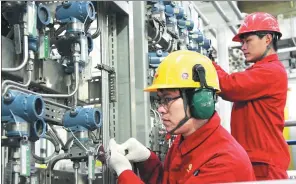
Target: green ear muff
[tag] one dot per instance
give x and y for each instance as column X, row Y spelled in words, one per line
column 202, row 103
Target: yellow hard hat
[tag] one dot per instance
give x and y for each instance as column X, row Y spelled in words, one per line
column 176, row 71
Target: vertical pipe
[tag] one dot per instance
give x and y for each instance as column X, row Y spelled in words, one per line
column 223, row 41
column 76, row 166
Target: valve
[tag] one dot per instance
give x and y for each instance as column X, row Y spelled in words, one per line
column 206, row 43
column 172, row 9
column 173, row 12
column 157, row 10
column 26, row 106
column 82, row 119
column 186, row 24
column 155, row 58
column 22, row 114
column 70, row 11
column 43, row 16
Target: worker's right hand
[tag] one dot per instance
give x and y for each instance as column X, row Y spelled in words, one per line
column 136, row 152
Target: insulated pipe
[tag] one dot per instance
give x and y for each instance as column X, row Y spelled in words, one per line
column 204, row 19
column 236, row 10
column 25, row 57
column 54, row 95
column 223, row 15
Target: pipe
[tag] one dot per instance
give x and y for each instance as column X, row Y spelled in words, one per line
column 236, row 10
column 55, row 133
column 52, row 163
column 54, row 95
column 16, row 83
column 289, row 123
column 60, row 30
column 25, row 57
column 204, row 19
column 76, row 166
column 289, row 49
column 223, row 15
column 44, row 160
column 98, row 31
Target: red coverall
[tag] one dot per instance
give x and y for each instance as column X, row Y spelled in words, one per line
column 209, row 155
column 257, row 119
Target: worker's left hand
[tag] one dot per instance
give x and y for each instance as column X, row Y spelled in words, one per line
column 117, row 160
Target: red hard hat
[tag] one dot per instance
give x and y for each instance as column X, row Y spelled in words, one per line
column 258, row 21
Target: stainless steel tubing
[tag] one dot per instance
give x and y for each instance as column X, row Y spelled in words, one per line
column 25, row 57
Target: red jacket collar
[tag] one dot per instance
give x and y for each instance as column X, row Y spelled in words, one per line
column 199, row 136
column 272, row 57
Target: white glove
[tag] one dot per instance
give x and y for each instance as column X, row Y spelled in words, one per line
column 136, row 152
column 117, row 160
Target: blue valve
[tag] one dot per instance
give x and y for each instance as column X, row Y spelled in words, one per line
column 155, row 58
column 197, row 36
column 43, row 16
column 22, row 114
column 71, row 11
column 26, row 106
column 158, row 7
column 185, row 24
column 174, row 10
column 33, row 43
column 82, row 119
column 206, row 44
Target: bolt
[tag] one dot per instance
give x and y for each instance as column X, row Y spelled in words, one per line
column 73, row 112
column 7, row 96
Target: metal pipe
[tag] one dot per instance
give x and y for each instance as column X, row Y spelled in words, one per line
column 76, row 166
column 204, row 19
column 289, row 123
column 223, row 15
column 60, row 30
column 98, row 31
column 55, row 133
column 290, row 49
column 236, row 10
column 16, row 83
column 52, row 163
column 25, row 57
column 54, row 95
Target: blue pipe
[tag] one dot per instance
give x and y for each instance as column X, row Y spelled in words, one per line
column 82, row 119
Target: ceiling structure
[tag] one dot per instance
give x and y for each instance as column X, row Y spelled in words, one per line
column 280, row 9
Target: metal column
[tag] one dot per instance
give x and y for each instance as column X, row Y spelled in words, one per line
column 124, row 77
column 223, row 42
column 141, row 73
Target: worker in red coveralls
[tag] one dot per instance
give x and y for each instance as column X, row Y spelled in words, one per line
column 259, row 94
column 203, row 152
